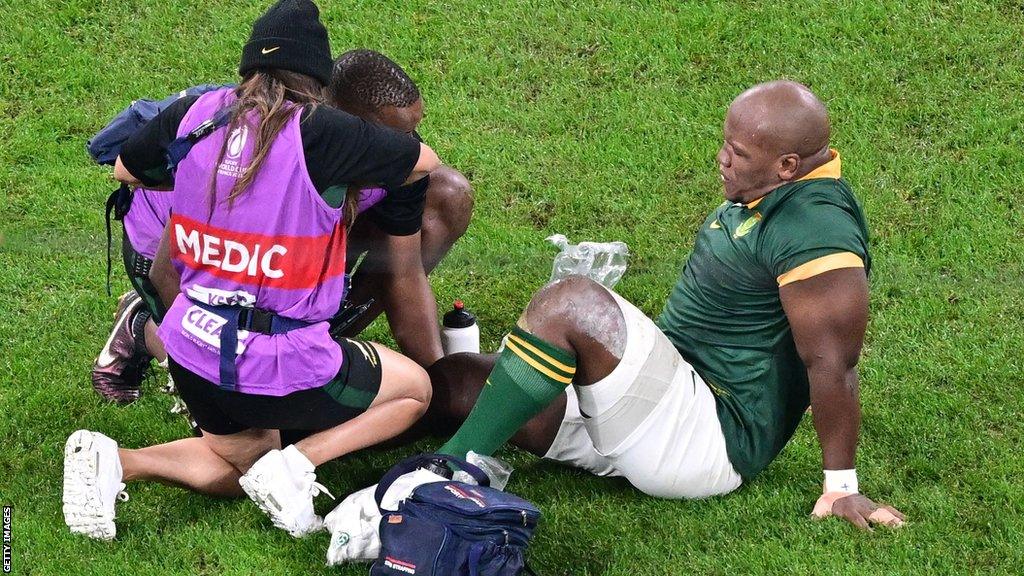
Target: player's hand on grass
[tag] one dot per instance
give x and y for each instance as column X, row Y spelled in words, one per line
column 857, row 509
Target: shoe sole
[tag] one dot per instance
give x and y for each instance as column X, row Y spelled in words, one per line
column 83, row 502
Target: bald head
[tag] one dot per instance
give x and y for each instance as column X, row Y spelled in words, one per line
column 783, row 117
column 774, row 133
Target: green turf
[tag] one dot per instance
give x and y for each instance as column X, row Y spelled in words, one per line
column 599, row 120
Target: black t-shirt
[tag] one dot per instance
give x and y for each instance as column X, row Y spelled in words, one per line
column 340, row 150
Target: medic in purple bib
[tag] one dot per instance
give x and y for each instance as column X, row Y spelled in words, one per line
column 402, row 234
column 252, row 266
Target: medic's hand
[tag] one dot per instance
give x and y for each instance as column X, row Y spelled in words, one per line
column 857, row 509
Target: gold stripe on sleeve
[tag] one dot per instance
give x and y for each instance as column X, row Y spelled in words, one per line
column 821, row 265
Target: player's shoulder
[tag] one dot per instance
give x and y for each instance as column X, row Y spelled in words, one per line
column 325, row 121
column 813, row 213
column 817, row 200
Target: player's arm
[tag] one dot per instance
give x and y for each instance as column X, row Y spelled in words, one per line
column 828, row 315
column 408, row 300
column 405, row 293
column 122, row 175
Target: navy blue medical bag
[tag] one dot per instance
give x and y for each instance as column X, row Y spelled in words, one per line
column 452, row 528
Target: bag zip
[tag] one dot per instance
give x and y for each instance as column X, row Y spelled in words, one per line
column 455, row 525
column 473, row 531
column 489, row 510
column 439, row 514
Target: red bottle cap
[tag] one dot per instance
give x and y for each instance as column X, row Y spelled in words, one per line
column 458, row 316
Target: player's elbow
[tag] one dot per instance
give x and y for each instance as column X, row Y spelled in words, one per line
column 834, row 364
column 833, row 377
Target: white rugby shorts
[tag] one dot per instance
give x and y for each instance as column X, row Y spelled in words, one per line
column 652, row 420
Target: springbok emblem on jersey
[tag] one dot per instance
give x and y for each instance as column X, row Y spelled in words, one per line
column 747, row 225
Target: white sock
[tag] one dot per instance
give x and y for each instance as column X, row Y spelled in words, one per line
column 296, row 460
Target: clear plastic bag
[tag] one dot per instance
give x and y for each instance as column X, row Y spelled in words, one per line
column 603, row 262
column 496, row 469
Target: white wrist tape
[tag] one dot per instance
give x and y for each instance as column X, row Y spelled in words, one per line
column 841, row 481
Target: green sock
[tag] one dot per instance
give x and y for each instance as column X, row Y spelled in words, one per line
column 530, row 373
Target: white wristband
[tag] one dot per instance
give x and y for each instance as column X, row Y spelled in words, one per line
column 841, row 481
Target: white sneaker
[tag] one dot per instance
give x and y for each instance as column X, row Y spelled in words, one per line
column 92, row 484
column 283, row 485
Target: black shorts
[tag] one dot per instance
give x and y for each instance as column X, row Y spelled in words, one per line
column 137, row 266
column 346, row 396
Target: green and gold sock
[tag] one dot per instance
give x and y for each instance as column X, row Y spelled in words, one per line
column 530, row 373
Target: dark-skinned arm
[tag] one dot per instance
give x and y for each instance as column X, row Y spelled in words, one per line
column 164, row 277
column 408, row 300
column 828, row 314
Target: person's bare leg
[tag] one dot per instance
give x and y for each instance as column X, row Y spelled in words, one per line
column 457, row 381
column 446, row 216
column 153, row 342
column 572, row 332
column 403, row 398
column 154, row 345
column 282, row 483
column 210, row 465
column 579, row 316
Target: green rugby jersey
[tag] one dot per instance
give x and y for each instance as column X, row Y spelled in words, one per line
column 725, row 316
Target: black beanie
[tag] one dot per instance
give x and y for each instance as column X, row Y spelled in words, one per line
column 289, row 36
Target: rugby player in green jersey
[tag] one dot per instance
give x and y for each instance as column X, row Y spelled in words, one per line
column 768, row 317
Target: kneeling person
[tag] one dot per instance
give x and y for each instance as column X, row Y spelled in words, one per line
column 409, row 231
column 251, row 267
column 404, row 233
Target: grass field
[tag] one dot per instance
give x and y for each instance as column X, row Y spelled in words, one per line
column 599, row 120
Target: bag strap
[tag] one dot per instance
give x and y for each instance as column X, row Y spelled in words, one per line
column 347, row 317
column 243, row 318
column 179, row 148
column 117, row 204
column 418, row 461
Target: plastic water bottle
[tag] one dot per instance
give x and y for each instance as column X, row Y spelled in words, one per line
column 459, row 330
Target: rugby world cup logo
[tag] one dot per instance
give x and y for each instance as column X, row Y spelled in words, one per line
column 236, row 142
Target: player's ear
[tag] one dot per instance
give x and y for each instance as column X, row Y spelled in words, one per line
column 789, row 166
